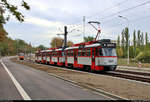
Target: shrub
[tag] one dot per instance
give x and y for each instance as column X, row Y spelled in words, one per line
column 143, row 56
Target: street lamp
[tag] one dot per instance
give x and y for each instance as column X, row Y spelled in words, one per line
column 128, row 40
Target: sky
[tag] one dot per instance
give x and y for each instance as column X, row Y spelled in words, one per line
column 47, row 18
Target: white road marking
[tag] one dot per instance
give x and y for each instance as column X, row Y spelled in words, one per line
column 22, row 92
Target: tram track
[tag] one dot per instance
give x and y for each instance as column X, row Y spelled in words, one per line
column 130, row 76
column 134, row 72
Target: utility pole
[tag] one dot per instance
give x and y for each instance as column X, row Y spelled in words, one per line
column 65, row 36
column 128, row 59
column 83, row 27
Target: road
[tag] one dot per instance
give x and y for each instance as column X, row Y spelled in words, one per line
column 20, row 82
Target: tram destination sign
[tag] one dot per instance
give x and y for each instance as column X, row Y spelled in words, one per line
column 109, row 45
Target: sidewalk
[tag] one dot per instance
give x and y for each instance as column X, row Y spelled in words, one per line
column 133, row 68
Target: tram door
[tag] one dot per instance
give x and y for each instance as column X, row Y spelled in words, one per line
column 93, row 58
column 93, row 54
column 75, row 57
column 50, row 57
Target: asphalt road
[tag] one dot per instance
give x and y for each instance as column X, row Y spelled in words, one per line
column 38, row 85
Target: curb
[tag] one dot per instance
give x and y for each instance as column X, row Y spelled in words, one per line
column 106, row 94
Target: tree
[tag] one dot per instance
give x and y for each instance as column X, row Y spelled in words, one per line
column 134, row 39
column 120, row 52
column 122, row 40
column 143, row 56
column 11, row 47
column 139, row 38
column 134, row 42
column 69, row 43
column 126, row 33
column 132, row 52
column 3, row 33
column 41, row 47
column 13, row 10
column 118, row 42
column 146, row 39
column 142, row 39
column 56, row 42
column 89, row 38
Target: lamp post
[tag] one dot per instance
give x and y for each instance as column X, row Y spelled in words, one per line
column 128, row 36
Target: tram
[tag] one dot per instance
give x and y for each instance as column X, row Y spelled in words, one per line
column 92, row 56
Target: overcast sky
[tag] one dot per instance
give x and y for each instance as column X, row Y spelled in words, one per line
column 47, row 18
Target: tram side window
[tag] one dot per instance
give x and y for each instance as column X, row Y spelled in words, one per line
column 48, row 54
column 83, row 52
column 68, row 52
column 100, row 52
column 92, row 51
column 75, row 52
column 59, row 53
column 56, row 54
column 43, row 54
column 79, row 52
column 88, row 52
column 71, row 53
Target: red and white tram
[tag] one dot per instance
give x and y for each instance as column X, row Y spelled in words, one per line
column 38, row 57
column 93, row 56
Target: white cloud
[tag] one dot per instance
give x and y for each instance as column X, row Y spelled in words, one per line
column 46, row 16
column 42, row 22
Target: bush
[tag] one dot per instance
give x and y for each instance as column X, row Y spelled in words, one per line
column 143, row 56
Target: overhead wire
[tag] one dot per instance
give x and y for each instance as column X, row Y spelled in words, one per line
column 135, row 20
column 121, row 11
column 109, row 8
column 104, row 10
column 128, row 9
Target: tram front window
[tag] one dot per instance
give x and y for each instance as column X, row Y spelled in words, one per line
column 109, row 51
column 21, row 54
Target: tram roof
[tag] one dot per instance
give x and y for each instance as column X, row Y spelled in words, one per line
column 69, row 48
column 86, row 46
column 46, row 50
column 93, row 45
column 59, row 49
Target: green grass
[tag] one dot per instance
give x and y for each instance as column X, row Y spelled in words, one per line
column 123, row 62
